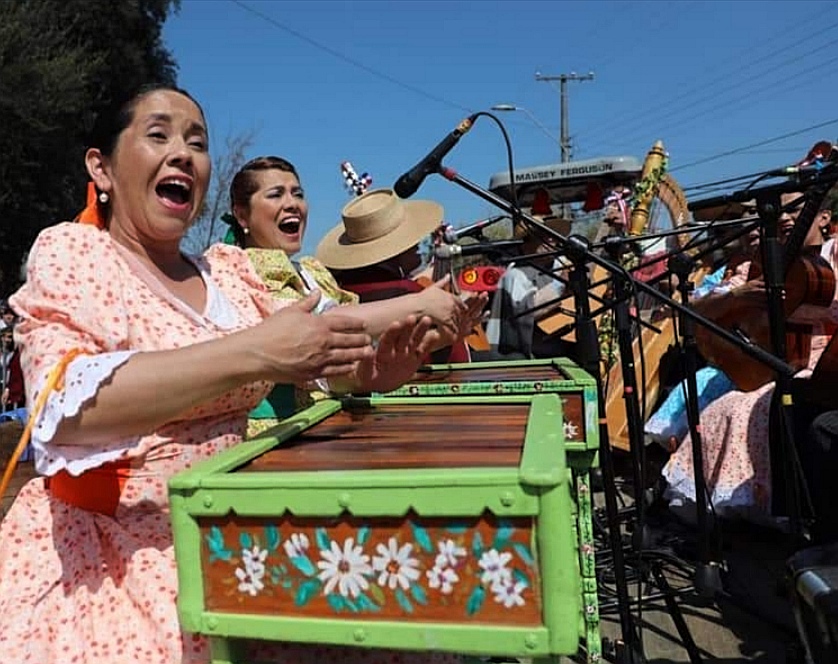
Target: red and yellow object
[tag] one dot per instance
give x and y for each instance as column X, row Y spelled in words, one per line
column 480, row 278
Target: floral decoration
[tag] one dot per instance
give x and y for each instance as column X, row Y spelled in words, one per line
column 411, row 569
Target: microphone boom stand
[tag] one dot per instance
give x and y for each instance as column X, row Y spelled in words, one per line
column 641, row 541
column 707, row 579
column 629, row 649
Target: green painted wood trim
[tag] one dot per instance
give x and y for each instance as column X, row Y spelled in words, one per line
column 591, row 407
column 225, row 651
column 559, row 567
column 474, row 639
column 357, row 494
column 187, row 542
column 543, row 461
column 438, row 400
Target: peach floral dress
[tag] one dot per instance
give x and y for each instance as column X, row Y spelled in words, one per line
column 79, row 586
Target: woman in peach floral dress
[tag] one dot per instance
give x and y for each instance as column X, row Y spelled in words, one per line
column 174, row 351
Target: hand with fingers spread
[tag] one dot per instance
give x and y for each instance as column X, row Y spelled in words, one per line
column 296, row 346
column 475, row 305
column 398, row 355
column 470, row 313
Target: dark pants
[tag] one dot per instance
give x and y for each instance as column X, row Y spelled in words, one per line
column 815, row 434
column 819, row 455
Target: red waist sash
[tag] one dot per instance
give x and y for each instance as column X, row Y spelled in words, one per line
column 95, row 490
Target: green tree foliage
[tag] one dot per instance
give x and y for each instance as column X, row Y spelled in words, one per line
column 61, row 63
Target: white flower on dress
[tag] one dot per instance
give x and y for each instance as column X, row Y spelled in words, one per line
column 250, row 577
column 296, row 546
column 395, row 565
column 443, row 578
column 509, row 592
column 448, row 554
column 570, row 430
column 347, row 569
column 494, row 567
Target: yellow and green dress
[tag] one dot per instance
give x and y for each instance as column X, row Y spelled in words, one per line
column 291, row 280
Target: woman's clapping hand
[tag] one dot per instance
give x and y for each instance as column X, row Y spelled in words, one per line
column 295, row 346
column 399, row 353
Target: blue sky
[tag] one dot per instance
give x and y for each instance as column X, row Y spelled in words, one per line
column 380, row 83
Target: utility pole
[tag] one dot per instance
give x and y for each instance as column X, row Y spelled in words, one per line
column 564, row 140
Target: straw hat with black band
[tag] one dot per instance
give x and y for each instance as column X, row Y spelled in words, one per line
column 376, row 226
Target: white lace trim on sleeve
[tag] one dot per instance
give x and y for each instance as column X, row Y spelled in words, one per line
column 82, row 379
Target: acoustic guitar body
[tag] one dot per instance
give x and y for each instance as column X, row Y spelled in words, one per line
column 809, row 280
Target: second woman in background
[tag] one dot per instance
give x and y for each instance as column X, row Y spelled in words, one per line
column 269, row 218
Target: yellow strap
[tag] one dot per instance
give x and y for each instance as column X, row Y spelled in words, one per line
column 54, row 382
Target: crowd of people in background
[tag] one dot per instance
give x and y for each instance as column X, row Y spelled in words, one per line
column 12, row 392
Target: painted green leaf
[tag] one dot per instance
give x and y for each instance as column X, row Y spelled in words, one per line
column 303, row 564
column 502, row 536
column 521, row 576
column 477, row 544
column 352, row 606
column 456, row 528
column 245, row 540
column 475, row 600
column 306, row 591
column 366, row 604
column 364, row 533
column 403, row 601
column 215, row 542
column 377, row 594
column 336, row 602
column 523, row 552
column 418, row 593
column 323, row 540
column 422, row 538
column 271, row 538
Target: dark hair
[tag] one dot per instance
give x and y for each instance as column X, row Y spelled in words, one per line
column 244, row 185
column 114, row 119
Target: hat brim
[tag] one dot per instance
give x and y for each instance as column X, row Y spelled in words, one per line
column 338, row 252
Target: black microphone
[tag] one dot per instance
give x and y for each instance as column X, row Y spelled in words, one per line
column 451, row 235
column 797, row 169
column 408, row 183
column 446, row 251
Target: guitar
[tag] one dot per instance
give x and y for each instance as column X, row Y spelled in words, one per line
column 809, row 279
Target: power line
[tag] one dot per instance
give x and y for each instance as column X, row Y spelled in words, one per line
column 744, row 148
column 654, row 111
column 349, row 60
column 750, row 97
